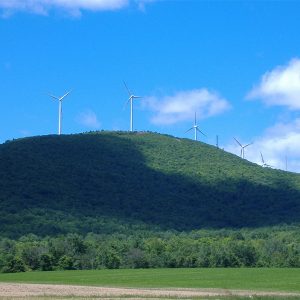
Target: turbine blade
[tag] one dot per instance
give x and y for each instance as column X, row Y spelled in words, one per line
column 247, row 145
column 262, row 158
column 189, row 129
column 127, row 88
column 126, row 103
column 195, row 118
column 65, row 95
column 238, row 142
column 200, row 131
column 53, row 96
column 137, row 96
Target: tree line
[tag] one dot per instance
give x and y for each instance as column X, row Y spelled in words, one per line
column 204, row 248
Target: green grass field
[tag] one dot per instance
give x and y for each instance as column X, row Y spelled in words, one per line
column 242, row 278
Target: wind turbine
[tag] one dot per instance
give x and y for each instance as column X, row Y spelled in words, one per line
column 130, row 99
column 196, row 128
column 60, row 99
column 242, row 148
column 264, row 164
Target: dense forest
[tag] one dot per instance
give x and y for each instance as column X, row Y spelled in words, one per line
column 141, row 199
column 266, row 247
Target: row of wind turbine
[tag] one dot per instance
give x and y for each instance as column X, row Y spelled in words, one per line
column 195, row 127
column 263, row 163
column 60, row 100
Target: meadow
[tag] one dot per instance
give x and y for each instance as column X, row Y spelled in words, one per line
column 260, row 279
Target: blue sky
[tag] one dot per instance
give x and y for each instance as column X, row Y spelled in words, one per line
column 237, row 63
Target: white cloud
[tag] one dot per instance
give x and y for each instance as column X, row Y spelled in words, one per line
column 279, row 141
column 280, row 86
column 89, row 119
column 73, row 7
column 181, row 106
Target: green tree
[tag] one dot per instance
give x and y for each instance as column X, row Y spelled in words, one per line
column 66, row 263
column 46, row 262
column 14, row 264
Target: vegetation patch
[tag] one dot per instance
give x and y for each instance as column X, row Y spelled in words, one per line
column 264, row 279
column 141, row 200
column 264, row 247
column 108, row 182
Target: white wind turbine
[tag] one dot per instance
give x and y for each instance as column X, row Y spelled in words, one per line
column 242, row 148
column 60, row 99
column 196, row 128
column 130, row 99
column 264, row 164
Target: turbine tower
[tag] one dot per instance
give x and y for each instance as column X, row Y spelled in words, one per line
column 60, row 99
column 242, row 148
column 196, row 128
column 264, row 164
column 130, row 99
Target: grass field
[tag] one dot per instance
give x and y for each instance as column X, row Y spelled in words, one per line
column 239, row 278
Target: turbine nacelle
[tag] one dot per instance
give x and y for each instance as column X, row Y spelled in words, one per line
column 133, row 97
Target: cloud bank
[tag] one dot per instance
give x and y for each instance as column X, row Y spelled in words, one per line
column 180, row 107
column 280, row 86
column 89, row 119
column 73, row 7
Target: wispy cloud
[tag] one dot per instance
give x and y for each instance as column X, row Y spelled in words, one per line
column 181, row 106
column 142, row 3
column 89, row 119
column 72, row 7
column 278, row 141
column 280, row 86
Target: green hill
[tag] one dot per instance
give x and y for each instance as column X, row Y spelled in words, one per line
column 105, row 182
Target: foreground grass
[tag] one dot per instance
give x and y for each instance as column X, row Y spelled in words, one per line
column 239, row 278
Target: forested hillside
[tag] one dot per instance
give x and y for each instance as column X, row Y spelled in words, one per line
column 106, row 182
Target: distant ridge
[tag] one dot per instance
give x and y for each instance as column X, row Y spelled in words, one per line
column 119, row 181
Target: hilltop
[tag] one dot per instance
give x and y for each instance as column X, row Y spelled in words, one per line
column 106, row 182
